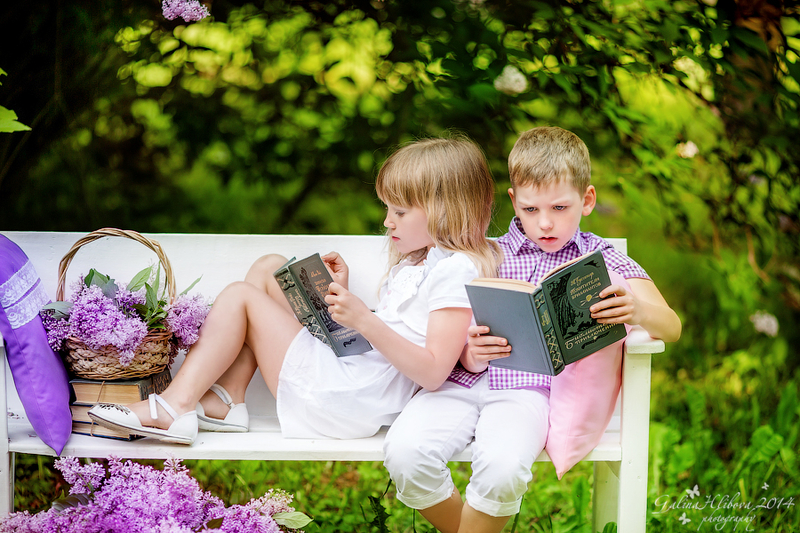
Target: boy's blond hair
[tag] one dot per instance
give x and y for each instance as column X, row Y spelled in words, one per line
column 547, row 155
column 450, row 180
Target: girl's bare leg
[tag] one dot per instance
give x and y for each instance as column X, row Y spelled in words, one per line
column 239, row 374
column 242, row 315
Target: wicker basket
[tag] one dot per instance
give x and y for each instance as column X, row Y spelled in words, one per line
column 156, row 351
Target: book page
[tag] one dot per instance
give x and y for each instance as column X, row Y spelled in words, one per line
column 503, row 283
column 562, row 266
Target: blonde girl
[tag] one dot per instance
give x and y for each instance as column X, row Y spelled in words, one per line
column 438, row 194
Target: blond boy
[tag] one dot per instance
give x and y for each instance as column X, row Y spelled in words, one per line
column 505, row 412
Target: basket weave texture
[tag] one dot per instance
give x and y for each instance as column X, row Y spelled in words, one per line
column 156, row 352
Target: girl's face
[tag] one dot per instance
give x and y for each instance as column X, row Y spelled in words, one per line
column 408, row 228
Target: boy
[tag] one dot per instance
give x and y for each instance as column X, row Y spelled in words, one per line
column 506, row 411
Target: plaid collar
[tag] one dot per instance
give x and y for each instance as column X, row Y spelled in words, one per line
column 519, row 244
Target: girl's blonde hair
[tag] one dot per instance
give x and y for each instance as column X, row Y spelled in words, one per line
column 450, row 180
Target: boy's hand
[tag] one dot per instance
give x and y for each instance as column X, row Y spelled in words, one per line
column 345, row 307
column 482, row 348
column 622, row 307
column 337, row 267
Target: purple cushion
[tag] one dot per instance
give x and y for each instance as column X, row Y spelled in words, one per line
column 39, row 375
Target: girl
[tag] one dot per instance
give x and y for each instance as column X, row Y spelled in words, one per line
column 439, row 195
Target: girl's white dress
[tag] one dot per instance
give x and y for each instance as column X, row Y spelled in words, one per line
column 324, row 396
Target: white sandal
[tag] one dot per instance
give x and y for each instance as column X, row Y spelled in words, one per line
column 113, row 416
column 236, row 421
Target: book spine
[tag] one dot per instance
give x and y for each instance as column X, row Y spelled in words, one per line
column 301, row 306
column 548, row 330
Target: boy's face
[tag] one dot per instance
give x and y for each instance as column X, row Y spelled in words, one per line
column 550, row 215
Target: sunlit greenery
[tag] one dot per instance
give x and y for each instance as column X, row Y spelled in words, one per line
column 273, row 116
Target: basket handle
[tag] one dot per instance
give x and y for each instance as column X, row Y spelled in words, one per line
column 113, row 232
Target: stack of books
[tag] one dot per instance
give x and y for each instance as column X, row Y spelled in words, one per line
column 89, row 392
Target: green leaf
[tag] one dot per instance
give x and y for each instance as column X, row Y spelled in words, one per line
column 87, row 280
column 60, row 309
column 766, row 444
column 381, row 515
column 74, row 500
column 151, row 299
column 191, row 286
column 751, row 39
column 139, row 279
column 216, row 523
column 109, row 288
column 611, row 527
column 563, row 82
column 719, row 35
column 95, row 278
column 293, row 520
column 9, row 123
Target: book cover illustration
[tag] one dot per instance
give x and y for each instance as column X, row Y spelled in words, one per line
column 305, row 284
column 550, row 325
column 570, row 293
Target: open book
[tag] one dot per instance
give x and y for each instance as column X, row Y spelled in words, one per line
column 548, row 326
column 305, row 284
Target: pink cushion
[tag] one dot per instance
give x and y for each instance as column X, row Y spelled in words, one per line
column 582, row 400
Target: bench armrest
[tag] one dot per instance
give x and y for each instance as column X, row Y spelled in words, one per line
column 640, row 342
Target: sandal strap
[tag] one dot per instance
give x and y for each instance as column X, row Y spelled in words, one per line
column 220, row 391
column 153, row 398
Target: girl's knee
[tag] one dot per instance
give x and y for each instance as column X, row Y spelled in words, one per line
column 267, row 264
column 261, row 272
column 238, row 291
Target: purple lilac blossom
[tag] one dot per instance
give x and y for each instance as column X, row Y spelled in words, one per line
column 188, row 10
column 98, row 322
column 184, row 318
column 136, row 498
column 57, row 329
column 127, row 299
column 84, row 478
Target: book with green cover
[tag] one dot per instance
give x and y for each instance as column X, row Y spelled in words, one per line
column 548, row 326
column 305, row 284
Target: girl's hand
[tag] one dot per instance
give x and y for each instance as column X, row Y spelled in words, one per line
column 482, row 348
column 345, row 307
column 623, row 307
column 337, row 267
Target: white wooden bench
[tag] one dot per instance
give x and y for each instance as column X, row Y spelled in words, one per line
column 620, row 460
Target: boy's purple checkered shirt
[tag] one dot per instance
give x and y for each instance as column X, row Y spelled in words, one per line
column 524, row 260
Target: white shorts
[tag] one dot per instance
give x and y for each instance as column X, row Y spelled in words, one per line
column 509, row 428
column 321, row 395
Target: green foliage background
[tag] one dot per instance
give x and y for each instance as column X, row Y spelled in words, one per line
column 272, row 117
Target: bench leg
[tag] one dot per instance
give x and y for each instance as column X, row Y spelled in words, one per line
column 6, row 457
column 605, row 500
column 635, row 429
column 7, row 484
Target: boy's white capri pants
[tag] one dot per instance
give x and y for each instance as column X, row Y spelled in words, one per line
column 510, row 431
